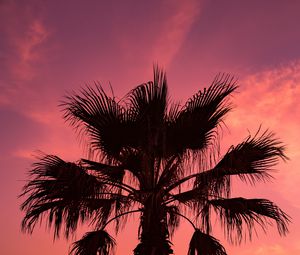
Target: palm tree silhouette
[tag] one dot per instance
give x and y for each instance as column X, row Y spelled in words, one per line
column 157, row 159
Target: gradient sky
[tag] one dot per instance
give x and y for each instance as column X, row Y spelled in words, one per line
column 50, row 47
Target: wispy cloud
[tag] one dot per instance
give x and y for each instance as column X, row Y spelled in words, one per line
column 24, row 33
column 28, row 49
column 156, row 36
column 23, row 48
column 175, row 29
column 274, row 249
column 271, row 98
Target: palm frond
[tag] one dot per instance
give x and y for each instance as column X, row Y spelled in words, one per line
column 203, row 244
column 123, row 208
column 94, row 243
column 196, row 195
column 149, row 101
column 114, row 173
column 173, row 219
column 235, row 212
column 94, row 113
column 253, row 157
column 132, row 160
column 147, row 111
column 172, row 171
column 196, row 200
column 173, row 113
column 64, row 191
column 196, row 123
column 250, row 160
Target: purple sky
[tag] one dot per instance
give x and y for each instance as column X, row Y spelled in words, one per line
column 50, row 47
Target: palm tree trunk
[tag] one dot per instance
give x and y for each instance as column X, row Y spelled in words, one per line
column 154, row 235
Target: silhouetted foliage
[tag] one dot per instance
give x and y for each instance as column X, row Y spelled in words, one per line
column 202, row 243
column 97, row 242
column 158, row 159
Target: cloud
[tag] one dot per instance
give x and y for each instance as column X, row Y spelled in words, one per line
column 156, row 35
column 274, row 249
column 24, row 33
column 174, row 30
column 28, row 49
column 271, row 98
column 23, row 49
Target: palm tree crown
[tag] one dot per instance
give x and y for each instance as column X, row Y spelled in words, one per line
column 158, row 159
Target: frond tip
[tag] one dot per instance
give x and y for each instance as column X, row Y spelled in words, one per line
column 61, row 192
column 203, row 244
column 94, row 243
column 235, row 212
column 253, row 157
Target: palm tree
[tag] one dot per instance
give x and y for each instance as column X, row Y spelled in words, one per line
column 156, row 159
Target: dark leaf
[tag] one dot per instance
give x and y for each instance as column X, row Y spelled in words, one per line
column 114, row 173
column 203, row 244
column 64, row 191
column 94, row 243
column 147, row 111
column 235, row 212
column 196, row 123
column 173, row 219
column 250, row 160
column 94, row 113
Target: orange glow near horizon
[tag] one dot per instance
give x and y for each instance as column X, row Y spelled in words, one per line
column 50, row 47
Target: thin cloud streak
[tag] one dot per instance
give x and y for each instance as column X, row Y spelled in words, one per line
column 24, row 35
column 174, row 31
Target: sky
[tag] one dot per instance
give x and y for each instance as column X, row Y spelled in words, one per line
column 50, row 47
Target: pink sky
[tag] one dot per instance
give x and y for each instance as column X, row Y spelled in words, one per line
column 50, row 47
